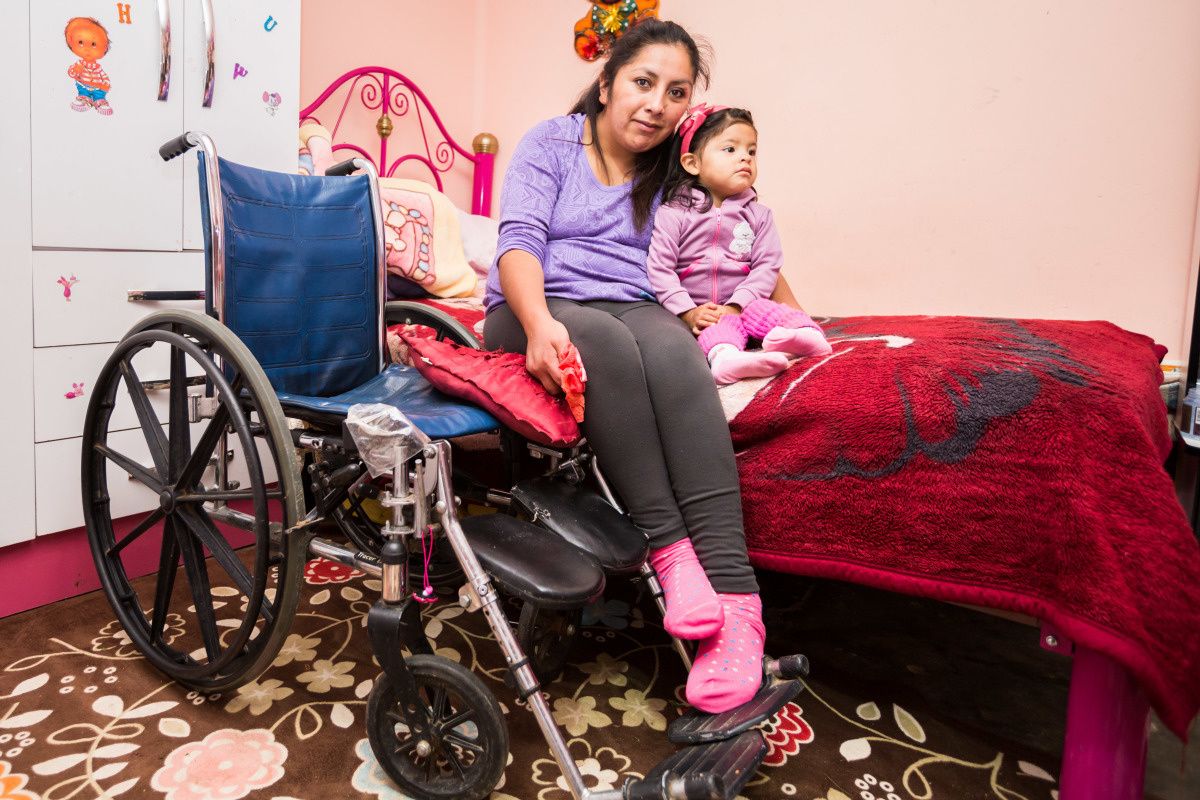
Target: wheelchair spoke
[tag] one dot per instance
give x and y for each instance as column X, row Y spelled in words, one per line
column 150, row 479
column 448, row 752
column 168, row 562
column 190, row 474
column 458, row 719
column 197, row 575
column 406, row 745
column 179, row 434
column 437, row 706
column 465, row 744
column 202, row 527
column 143, row 526
column 147, row 418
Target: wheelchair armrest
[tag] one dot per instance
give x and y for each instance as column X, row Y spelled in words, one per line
column 406, row 312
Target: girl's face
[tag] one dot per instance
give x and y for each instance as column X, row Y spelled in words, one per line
column 88, row 42
column 727, row 163
column 647, row 98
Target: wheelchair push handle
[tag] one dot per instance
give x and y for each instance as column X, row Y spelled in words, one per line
column 177, row 146
column 346, row 167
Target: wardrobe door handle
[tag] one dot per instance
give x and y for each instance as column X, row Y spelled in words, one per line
column 164, row 71
column 210, row 35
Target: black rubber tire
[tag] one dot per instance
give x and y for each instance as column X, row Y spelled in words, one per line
column 547, row 637
column 237, row 643
column 456, row 692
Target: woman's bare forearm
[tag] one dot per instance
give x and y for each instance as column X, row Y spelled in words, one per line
column 524, row 288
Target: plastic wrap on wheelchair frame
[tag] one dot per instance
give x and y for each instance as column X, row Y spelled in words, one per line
column 376, row 429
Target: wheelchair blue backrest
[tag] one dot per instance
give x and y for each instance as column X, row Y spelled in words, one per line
column 300, row 281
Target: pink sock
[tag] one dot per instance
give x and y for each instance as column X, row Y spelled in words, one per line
column 693, row 610
column 730, row 365
column 728, row 667
column 797, row 341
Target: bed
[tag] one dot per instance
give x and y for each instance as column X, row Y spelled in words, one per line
column 1011, row 465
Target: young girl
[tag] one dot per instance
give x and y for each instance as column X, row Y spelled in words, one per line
column 715, row 253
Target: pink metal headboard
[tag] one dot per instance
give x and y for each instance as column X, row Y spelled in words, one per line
column 391, row 94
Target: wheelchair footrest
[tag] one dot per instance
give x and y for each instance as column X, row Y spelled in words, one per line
column 532, row 563
column 586, row 520
column 714, row 771
column 697, row 727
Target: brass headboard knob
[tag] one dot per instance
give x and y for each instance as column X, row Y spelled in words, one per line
column 485, row 143
column 383, row 126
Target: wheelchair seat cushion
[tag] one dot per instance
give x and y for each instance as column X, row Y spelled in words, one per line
column 499, row 383
column 438, row 416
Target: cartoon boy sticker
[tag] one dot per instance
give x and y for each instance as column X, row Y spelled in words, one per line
column 88, row 39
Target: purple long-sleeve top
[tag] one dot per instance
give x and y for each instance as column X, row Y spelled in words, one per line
column 728, row 254
column 553, row 207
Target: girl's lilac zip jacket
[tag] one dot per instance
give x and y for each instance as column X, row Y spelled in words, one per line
column 729, row 254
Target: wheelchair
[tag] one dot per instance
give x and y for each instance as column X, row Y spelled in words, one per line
column 262, row 456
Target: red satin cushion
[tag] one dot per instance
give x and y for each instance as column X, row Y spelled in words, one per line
column 499, row 383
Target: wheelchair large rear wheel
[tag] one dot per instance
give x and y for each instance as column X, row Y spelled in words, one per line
column 219, row 619
column 466, row 749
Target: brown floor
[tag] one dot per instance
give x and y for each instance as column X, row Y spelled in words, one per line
column 908, row 699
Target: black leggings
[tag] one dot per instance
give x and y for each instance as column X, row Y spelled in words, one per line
column 654, row 420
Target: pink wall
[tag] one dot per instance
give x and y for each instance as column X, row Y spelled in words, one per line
column 1035, row 159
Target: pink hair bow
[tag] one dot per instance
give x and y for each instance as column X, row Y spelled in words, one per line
column 692, row 122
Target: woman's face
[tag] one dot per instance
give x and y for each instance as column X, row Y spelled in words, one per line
column 647, row 98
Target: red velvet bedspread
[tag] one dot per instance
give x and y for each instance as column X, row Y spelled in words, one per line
column 1013, row 464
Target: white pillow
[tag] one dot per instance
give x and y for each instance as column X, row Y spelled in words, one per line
column 479, row 235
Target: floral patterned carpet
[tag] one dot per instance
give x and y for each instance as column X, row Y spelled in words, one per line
column 908, row 700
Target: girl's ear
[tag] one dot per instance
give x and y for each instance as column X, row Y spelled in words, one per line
column 690, row 163
column 603, row 91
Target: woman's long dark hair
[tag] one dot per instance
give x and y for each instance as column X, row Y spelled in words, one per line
column 679, row 183
column 649, row 168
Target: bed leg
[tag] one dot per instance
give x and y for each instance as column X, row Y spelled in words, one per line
column 1104, row 754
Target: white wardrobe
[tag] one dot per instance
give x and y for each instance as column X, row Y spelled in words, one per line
column 98, row 214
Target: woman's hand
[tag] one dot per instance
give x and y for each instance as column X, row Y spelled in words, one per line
column 547, row 342
column 701, row 317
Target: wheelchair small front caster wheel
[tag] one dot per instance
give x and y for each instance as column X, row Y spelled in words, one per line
column 547, row 637
column 463, row 755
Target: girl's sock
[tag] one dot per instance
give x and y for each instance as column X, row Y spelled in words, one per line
column 727, row 671
column 730, row 365
column 797, row 341
column 693, row 610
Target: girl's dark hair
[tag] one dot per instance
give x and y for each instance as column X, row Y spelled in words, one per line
column 649, row 168
column 679, row 183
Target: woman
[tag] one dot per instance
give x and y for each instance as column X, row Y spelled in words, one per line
column 576, row 211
